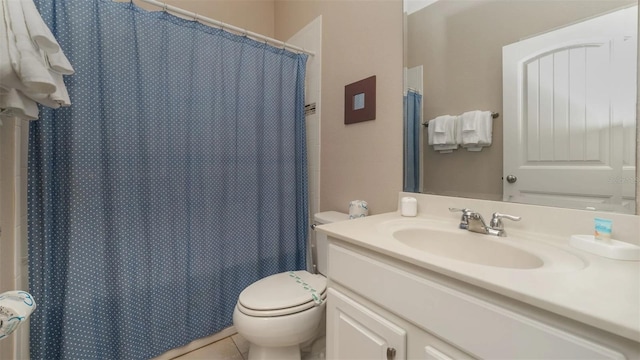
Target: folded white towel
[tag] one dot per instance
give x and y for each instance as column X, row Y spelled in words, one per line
column 31, row 62
column 440, row 124
column 38, row 30
column 447, row 140
column 14, row 103
column 59, row 98
column 468, row 121
column 8, row 77
column 59, row 63
column 447, row 135
column 445, row 149
column 476, row 130
column 469, row 127
column 30, row 68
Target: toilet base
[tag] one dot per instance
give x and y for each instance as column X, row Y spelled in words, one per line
column 257, row 352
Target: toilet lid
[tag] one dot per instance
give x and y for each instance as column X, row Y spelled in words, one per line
column 283, row 290
column 282, row 312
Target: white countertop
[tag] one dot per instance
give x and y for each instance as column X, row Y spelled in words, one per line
column 604, row 294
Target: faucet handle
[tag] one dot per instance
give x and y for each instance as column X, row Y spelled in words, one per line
column 464, row 220
column 496, row 219
column 464, row 210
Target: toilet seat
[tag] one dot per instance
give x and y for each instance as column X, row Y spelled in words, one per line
column 283, row 294
column 279, row 312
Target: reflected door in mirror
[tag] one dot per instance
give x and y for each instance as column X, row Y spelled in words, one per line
column 569, row 110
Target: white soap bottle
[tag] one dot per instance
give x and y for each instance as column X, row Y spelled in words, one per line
column 408, row 206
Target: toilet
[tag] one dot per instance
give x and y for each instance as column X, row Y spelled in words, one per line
column 280, row 312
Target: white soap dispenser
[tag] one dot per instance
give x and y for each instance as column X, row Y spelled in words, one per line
column 408, row 206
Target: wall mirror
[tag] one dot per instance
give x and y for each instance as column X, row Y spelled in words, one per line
column 565, row 94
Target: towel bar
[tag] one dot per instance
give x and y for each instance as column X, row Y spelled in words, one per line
column 494, row 115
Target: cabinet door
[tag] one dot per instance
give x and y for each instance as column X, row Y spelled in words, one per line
column 432, row 348
column 355, row 332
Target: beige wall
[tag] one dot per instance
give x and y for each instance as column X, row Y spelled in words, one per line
column 359, row 39
column 254, row 15
column 460, row 45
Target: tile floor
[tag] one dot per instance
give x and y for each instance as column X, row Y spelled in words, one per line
column 235, row 347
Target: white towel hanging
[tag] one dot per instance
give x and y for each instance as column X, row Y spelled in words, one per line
column 27, row 61
column 38, row 30
column 18, row 105
column 447, row 133
column 31, row 62
column 446, row 140
column 476, row 130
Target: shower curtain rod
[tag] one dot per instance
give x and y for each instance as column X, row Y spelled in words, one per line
column 225, row 26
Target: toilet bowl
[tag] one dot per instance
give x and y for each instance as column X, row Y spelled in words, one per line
column 280, row 312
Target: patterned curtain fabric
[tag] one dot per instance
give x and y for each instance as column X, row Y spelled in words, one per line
column 176, row 179
column 412, row 128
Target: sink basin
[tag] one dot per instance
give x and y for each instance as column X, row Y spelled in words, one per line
column 463, row 247
column 443, row 239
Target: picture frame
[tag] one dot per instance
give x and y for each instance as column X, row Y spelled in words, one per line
column 360, row 101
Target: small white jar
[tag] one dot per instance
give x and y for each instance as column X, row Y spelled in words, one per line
column 408, row 206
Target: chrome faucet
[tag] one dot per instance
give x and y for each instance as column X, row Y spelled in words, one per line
column 473, row 221
column 464, row 220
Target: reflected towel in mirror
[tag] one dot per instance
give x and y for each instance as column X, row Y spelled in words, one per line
column 476, row 129
column 443, row 133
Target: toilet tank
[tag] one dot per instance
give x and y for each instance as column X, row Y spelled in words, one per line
column 321, row 243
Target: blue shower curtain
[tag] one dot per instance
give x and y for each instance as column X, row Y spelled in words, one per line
column 176, row 178
column 412, row 128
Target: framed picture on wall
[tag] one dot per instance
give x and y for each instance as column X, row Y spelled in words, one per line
column 360, row 101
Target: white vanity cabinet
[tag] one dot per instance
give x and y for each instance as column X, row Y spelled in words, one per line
column 379, row 307
column 359, row 333
column 362, row 330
